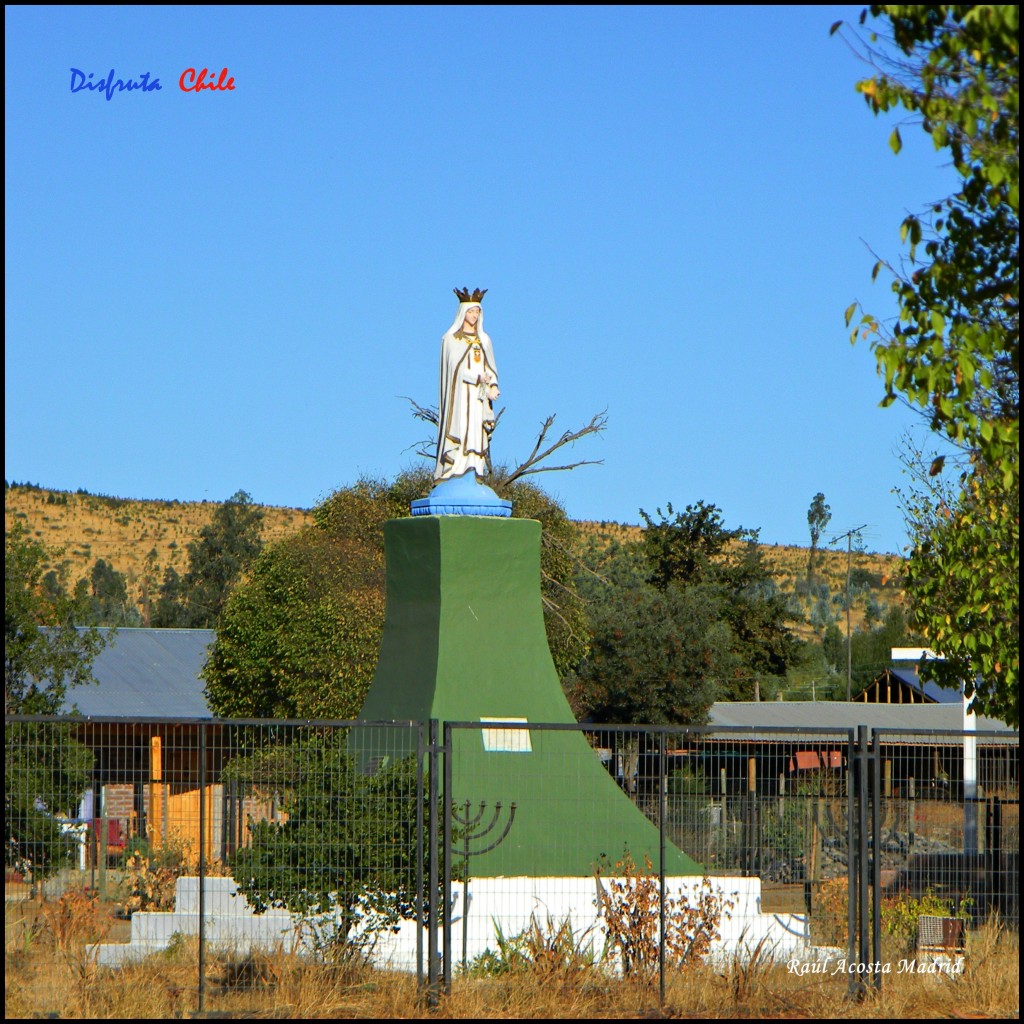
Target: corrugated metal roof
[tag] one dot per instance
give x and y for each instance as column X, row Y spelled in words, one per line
column 148, row 673
column 827, row 714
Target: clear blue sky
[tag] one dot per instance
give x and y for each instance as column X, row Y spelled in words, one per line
column 671, row 207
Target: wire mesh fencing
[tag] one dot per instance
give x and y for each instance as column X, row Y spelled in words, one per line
column 729, row 835
column 225, row 858
column 222, row 849
column 947, row 828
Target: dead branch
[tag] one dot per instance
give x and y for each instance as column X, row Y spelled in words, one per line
column 539, row 453
column 573, row 556
column 556, row 611
column 427, row 413
column 598, row 422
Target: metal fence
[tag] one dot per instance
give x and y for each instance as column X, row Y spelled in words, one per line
column 225, row 847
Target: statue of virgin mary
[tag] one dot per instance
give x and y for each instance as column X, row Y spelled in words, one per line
column 469, row 386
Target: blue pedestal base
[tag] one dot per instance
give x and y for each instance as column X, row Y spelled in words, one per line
column 461, row 496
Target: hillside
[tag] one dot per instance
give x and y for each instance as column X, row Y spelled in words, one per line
column 124, row 532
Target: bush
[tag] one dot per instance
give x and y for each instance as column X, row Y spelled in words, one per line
column 629, row 904
column 344, row 860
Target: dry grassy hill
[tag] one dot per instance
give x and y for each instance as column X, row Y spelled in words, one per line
column 123, row 532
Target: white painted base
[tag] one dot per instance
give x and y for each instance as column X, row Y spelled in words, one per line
column 510, row 904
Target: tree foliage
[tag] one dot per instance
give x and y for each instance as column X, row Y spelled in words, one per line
column 955, row 350
column 870, row 649
column 345, row 857
column 658, row 657
column 44, row 654
column 299, row 639
column 688, row 615
column 107, row 603
column 686, row 548
column 169, row 610
column 694, row 547
column 964, row 579
column 819, row 515
column 45, row 769
column 218, row 558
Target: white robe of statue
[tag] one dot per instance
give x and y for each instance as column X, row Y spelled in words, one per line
column 469, row 381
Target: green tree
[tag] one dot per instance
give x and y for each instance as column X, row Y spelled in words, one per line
column 224, row 550
column 812, row 676
column 655, row 656
column 963, row 579
column 148, row 584
column 45, row 769
column 686, row 616
column 44, row 654
column 685, row 549
column 694, row 547
column 108, row 604
column 169, row 611
column 833, row 644
column 763, row 644
column 299, row 639
column 345, row 855
column 954, row 352
column 870, row 649
column 818, row 517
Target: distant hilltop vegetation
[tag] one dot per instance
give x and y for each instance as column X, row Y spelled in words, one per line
column 134, row 536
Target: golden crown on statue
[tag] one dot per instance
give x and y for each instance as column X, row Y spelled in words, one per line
column 464, row 294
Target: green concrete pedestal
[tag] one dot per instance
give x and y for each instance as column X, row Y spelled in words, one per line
column 464, row 640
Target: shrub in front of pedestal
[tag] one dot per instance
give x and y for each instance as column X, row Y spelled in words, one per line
column 343, row 856
column 628, row 902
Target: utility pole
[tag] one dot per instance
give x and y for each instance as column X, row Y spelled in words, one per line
column 849, row 535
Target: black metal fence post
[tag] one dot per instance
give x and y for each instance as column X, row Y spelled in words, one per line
column 662, row 806
column 434, row 765
column 852, row 856
column 202, row 867
column 446, row 846
column 863, row 951
column 876, row 860
column 420, row 848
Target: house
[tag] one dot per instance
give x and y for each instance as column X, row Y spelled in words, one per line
column 147, row 673
column 140, row 720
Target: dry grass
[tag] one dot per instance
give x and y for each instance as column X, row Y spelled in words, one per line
column 49, row 973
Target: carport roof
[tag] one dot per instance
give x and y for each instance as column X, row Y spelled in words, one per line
column 147, row 673
column 829, row 714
